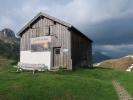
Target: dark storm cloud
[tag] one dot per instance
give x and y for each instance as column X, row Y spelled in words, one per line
column 112, row 32
column 113, row 37
column 114, row 50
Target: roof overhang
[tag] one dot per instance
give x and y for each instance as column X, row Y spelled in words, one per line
column 44, row 15
column 81, row 33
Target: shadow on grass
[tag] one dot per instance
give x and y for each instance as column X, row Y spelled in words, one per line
column 14, row 63
column 92, row 68
column 102, row 68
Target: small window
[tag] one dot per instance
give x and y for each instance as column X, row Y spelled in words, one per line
column 57, row 51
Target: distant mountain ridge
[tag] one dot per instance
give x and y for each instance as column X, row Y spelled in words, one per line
column 9, row 44
column 6, row 33
column 98, row 57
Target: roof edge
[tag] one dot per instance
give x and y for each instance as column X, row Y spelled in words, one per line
column 82, row 34
column 45, row 15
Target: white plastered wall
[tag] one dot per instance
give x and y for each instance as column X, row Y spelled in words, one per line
column 36, row 57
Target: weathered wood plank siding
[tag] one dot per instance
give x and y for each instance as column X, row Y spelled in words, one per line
column 81, row 49
column 60, row 37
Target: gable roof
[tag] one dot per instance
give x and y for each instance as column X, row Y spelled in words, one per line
column 49, row 17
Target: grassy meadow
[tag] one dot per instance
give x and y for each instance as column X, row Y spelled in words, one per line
column 81, row 84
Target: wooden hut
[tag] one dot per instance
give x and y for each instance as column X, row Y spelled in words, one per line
column 48, row 41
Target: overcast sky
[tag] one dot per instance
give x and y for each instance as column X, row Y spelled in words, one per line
column 109, row 23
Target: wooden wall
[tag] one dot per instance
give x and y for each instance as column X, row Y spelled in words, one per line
column 81, row 49
column 60, row 36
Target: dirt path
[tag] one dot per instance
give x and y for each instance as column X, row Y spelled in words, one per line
column 122, row 93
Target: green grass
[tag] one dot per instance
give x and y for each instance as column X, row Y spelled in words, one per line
column 126, row 79
column 82, row 84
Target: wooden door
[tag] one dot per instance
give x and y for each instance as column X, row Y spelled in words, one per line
column 57, row 57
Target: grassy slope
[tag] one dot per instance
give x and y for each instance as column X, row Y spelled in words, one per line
column 121, row 63
column 4, row 62
column 84, row 84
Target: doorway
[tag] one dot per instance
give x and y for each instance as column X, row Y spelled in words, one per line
column 57, row 56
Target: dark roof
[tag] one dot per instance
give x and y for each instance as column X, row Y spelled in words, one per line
column 49, row 17
column 81, row 34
